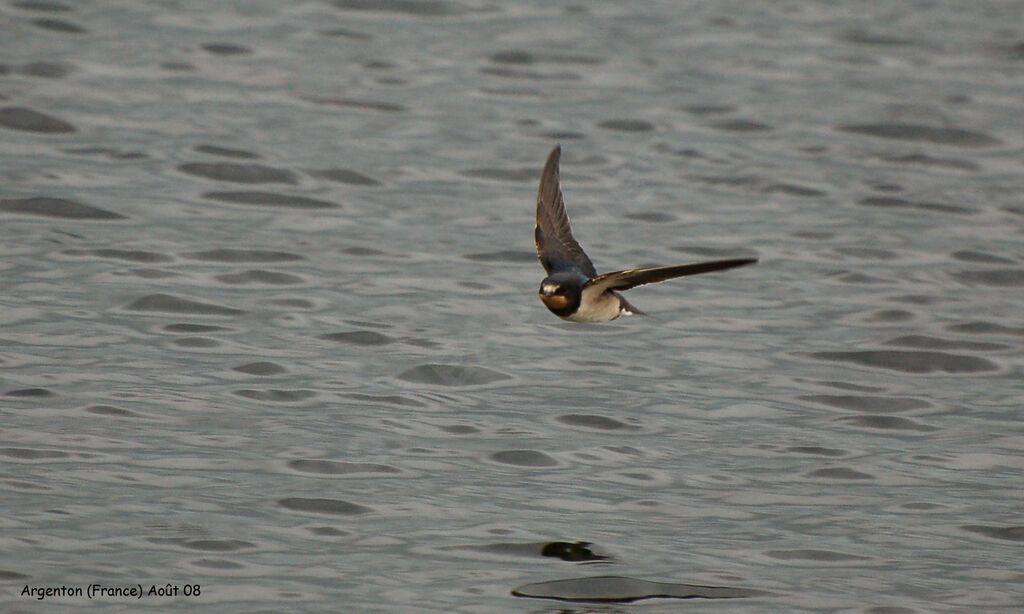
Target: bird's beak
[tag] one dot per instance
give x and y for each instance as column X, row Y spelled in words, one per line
column 554, row 302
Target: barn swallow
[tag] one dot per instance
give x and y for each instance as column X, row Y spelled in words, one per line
column 573, row 290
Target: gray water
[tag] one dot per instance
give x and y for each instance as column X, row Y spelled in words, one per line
column 269, row 323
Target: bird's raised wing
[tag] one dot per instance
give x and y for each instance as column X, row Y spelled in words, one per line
column 624, row 280
column 557, row 249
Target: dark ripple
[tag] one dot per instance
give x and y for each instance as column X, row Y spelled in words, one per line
column 226, row 49
column 926, row 160
column 863, row 37
column 868, row 253
column 226, row 152
column 840, row 473
column 822, row 556
column 653, row 217
column 328, row 531
column 270, row 199
column 369, row 324
column 260, row 368
column 343, row 32
column 592, row 421
column 861, row 278
column 936, row 343
column 205, row 545
column 900, row 203
column 323, row 506
column 970, row 255
column 451, row 375
column 59, row 25
column 627, row 125
column 360, row 104
column 731, row 180
column 363, row 251
column 887, row 187
column 346, row 176
column 918, row 299
column 524, row 458
column 816, row 451
column 459, row 429
column 519, row 56
column 709, row 109
column 637, row 476
column 128, row 255
column 196, row 342
column 563, row 135
column 993, row 277
column 912, row 361
column 239, row 173
column 891, row 315
column 30, row 393
column 887, row 423
column 387, row 399
column 620, row 589
column 45, row 70
column 814, row 235
column 32, row 453
column 178, row 66
column 273, row 278
column 986, row 328
column 148, row 273
column 922, row 505
column 25, row 485
column 742, row 125
column 169, row 303
column 502, row 174
column 189, row 328
column 57, row 207
column 793, row 190
column 506, row 255
column 415, row 8
column 514, row 56
column 276, row 396
column 108, row 152
column 359, row 337
column 244, row 255
column 920, row 132
column 327, row 467
column 294, row 303
column 1015, row 534
column 869, row 403
column 218, row 564
column 112, row 411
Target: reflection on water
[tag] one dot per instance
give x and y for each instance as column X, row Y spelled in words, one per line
column 269, row 319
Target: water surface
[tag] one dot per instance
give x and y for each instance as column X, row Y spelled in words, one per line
column 269, row 325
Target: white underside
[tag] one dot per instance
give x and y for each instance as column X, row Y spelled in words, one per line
column 598, row 306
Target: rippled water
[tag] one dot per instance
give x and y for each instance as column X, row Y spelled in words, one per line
column 269, row 322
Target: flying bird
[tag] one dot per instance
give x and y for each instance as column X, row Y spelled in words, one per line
column 573, row 290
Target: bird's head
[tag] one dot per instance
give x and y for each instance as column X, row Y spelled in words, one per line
column 561, row 293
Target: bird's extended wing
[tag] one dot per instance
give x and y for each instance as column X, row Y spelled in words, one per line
column 624, row 280
column 557, row 249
